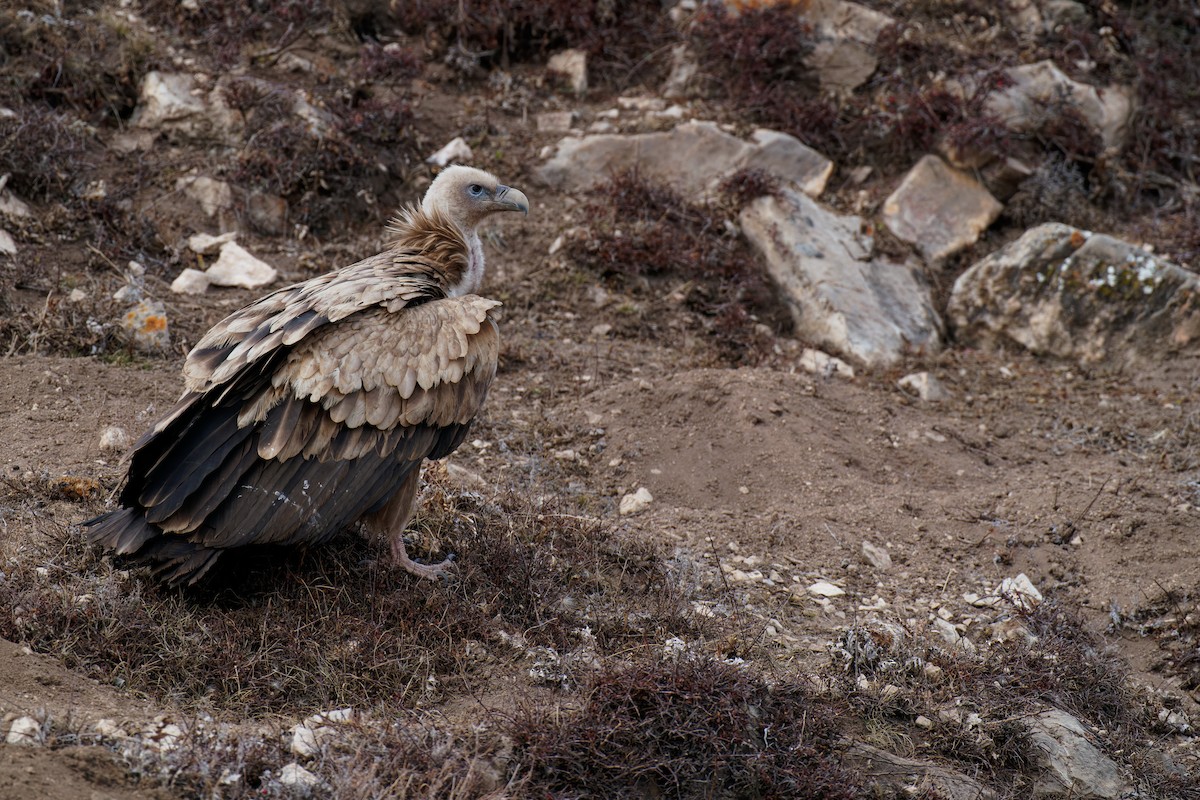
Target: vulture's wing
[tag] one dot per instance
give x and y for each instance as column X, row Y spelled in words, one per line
column 300, row 441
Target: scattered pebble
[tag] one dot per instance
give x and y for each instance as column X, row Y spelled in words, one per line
column 826, row 589
column 206, row 244
column 8, row 245
column 114, row 438
column 1020, row 590
column 635, row 503
column 191, row 281
column 77, row 296
column 819, row 363
column 297, row 776
column 923, row 722
column 876, row 556
column 925, row 386
column 109, row 729
column 455, row 151
column 24, row 731
column 236, row 267
column 306, row 736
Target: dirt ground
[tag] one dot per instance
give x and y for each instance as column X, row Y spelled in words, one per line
column 765, row 479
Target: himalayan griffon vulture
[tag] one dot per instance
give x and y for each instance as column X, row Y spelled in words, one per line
column 313, row 407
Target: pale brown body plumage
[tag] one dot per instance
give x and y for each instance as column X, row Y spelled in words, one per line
column 314, row 406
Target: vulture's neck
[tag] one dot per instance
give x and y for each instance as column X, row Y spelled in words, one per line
column 472, row 279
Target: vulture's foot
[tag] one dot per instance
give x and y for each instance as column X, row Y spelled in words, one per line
column 433, row 572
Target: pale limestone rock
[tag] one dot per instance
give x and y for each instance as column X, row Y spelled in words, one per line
column 167, row 97
column 825, row 589
column 864, row 308
column 145, row 327
column 555, row 121
column 911, row 776
column 694, row 158
column 1065, row 13
column 939, row 209
column 841, row 19
column 455, row 151
column 843, row 57
column 24, row 731
column 1020, row 591
column 1036, row 88
column 307, row 736
column 13, row 206
column 816, row 362
column 77, row 295
column 109, row 729
column 1070, row 764
column 635, row 503
column 8, row 245
column 236, row 267
column 878, row 557
column 206, row 244
column 297, row 777
column 1068, row 293
column 214, row 196
column 684, row 69
column 842, row 65
column 114, row 437
column 925, row 386
column 572, row 65
column 191, row 281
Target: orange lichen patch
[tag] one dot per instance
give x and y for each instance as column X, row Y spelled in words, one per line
column 1077, row 239
column 154, row 323
column 75, row 487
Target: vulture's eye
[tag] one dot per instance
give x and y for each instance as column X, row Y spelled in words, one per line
column 475, row 190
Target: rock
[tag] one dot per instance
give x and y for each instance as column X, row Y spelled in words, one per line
column 939, row 209
column 823, row 364
column 114, row 437
column 693, row 158
column 951, row 636
column 455, row 151
column 297, row 777
column 236, row 267
column 267, row 213
column 1070, row 765
column 878, row 557
column 307, row 736
column 77, row 295
column 1064, row 14
column 555, row 121
column 8, row 245
column 869, row 309
column 635, row 503
column 191, row 281
column 1037, row 89
column 24, row 731
column 841, row 65
column 214, row 196
column 145, row 327
column 166, row 97
column 903, row 774
column 1068, row 293
column 1020, row 591
column 572, row 65
column 13, row 206
column 684, row 68
column 109, row 729
column 207, row 244
column 925, row 386
column 825, row 589
column 840, row 19
column 162, row 735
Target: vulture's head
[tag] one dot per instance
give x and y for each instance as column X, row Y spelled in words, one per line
column 468, row 196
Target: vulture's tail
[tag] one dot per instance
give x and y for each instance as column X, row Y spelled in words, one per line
column 126, row 532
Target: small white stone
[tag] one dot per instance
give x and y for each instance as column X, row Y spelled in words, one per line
column 191, row 281
column 826, row 589
column 564, row 455
column 295, row 775
column 819, row 363
column 109, row 729
column 635, row 503
column 207, row 244
column 924, row 386
column 456, row 150
column 236, row 267
column 24, row 731
column 923, row 722
column 128, row 294
column 876, row 556
column 603, row 329
column 8, row 245
column 114, row 438
column 77, row 296
column 556, row 245
column 572, row 64
column 1020, row 590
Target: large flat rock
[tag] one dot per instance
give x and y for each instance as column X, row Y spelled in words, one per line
column 693, row 158
column 939, row 209
column 868, row 309
column 1069, row 293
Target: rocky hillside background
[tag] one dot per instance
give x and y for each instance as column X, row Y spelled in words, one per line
column 844, row 443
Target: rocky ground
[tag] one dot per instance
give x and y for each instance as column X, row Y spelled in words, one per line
column 844, row 442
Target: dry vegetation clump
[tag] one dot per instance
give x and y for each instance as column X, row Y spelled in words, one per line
column 285, row 633
column 646, row 239
column 1043, row 658
column 231, row 30
column 627, row 41
column 691, row 728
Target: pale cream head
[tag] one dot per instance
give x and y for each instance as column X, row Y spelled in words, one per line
column 468, row 196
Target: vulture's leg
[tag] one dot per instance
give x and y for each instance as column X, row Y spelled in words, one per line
column 393, row 518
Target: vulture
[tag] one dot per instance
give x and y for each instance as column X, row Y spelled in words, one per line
column 313, row 407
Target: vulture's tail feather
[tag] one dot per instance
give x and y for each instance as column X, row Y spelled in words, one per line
column 178, row 561
column 123, row 531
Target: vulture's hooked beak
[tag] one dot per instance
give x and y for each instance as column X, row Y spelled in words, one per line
column 511, row 199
